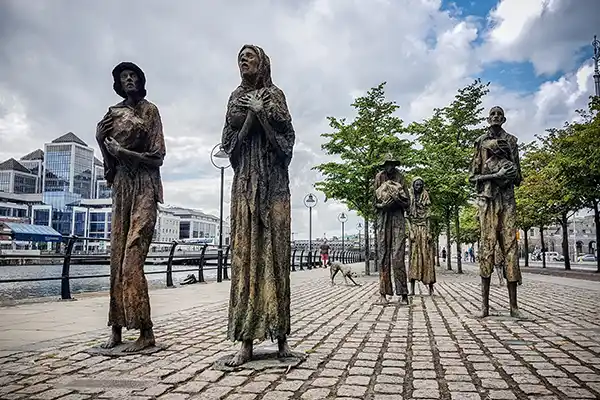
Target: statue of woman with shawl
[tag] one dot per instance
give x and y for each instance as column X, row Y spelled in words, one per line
column 259, row 138
column 131, row 140
column 421, row 267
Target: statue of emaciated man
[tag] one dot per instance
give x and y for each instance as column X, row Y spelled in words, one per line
column 496, row 170
column 259, row 138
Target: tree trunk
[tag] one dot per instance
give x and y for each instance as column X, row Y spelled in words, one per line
column 526, row 243
column 376, row 244
column 597, row 223
column 437, row 251
column 565, row 240
column 448, row 243
column 543, row 247
column 458, row 241
column 367, row 251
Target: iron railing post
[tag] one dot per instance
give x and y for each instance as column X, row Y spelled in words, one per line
column 294, row 260
column 65, row 286
column 201, row 264
column 225, row 258
column 170, row 265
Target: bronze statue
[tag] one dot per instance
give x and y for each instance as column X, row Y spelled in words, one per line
column 496, row 170
column 259, row 138
column 131, row 140
column 421, row 266
column 392, row 200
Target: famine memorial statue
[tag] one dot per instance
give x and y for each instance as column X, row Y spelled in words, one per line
column 392, row 199
column 131, row 140
column 422, row 252
column 259, row 138
column 495, row 170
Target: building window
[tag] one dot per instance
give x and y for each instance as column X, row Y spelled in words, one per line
column 184, row 230
column 41, row 217
column 5, row 181
column 25, row 183
column 82, row 172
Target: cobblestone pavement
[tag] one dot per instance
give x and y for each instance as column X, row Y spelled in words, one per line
column 433, row 349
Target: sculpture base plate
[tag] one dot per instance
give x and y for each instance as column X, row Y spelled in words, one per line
column 262, row 358
column 118, row 350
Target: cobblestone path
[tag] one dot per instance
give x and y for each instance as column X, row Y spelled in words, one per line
column 433, row 349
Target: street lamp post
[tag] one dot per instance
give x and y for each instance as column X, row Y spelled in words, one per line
column 220, row 159
column 343, row 218
column 596, row 46
column 310, row 200
column 359, row 227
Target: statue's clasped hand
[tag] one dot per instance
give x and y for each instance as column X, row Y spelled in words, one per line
column 255, row 101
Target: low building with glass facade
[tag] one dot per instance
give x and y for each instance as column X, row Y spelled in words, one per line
column 16, row 178
column 34, row 162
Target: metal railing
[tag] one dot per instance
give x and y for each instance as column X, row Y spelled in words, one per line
column 202, row 261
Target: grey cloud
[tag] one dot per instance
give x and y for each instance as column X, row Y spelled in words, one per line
column 56, row 60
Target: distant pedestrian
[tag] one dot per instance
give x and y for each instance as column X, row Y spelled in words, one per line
column 325, row 253
column 471, row 255
column 444, row 254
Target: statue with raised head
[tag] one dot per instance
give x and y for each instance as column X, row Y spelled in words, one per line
column 495, row 170
column 392, row 200
column 131, row 140
column 259, row 138
column 421, row 266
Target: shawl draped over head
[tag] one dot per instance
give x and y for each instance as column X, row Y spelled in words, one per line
column 417, row 205
column 260, row 166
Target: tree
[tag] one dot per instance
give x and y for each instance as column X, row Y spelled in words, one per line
column 580, row 161
column 532, row 196
column 360, row 145
column 444, row 160
column 563, row 198
column 469, row 225
column 525, row 217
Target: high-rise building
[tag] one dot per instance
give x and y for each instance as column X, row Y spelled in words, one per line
column 69, row 166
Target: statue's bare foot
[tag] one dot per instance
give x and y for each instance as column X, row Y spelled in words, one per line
column 382, row 300
column 404, row 299
column 145, row 340
column 514, row 312
column 243, row 355
column 114, row 339
column 284, row 350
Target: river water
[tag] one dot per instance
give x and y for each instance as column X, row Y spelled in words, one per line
column 24, row 290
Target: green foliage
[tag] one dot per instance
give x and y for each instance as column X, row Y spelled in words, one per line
column 578, row 145
column 469, row 225
column 360, row 146
column 447, row 138
column 533, row 196
column 547, row 192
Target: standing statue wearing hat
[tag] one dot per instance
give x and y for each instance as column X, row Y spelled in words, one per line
column 131, row 140
column 392, row 200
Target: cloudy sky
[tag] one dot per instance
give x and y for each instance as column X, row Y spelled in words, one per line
column 56, row 59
